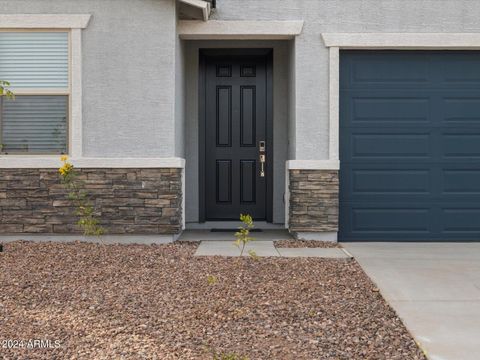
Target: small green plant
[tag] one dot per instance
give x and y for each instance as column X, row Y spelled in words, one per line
column 84, row 208
column 253, row 254
column 4, row 90
column 224, row 355
column 212, row 279
column 243, row 234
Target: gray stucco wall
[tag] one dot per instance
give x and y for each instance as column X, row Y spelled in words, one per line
column 128, row 73
column 280, row 115
column 311, row 57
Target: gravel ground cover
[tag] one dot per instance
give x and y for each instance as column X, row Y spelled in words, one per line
column 160, row 302
column 305, row 244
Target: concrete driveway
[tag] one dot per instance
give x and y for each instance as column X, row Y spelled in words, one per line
column 434, row 288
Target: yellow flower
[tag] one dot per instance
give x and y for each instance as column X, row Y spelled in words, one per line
column 64, row 158
column 65, row 168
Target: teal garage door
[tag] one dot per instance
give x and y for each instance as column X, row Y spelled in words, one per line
column 410, row 146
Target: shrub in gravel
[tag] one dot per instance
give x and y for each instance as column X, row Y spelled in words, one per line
column 243, row 234
column 212, row 279
column 230, row 356
column 84, row 208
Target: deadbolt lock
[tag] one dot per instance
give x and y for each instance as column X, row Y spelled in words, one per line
column 261, row 146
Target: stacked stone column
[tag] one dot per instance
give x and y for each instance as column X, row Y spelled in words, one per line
column 313, row 201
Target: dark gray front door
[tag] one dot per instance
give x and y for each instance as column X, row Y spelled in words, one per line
column 235, row 126
column 410, row 145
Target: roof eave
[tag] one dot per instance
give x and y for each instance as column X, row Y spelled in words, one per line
column 204, row 6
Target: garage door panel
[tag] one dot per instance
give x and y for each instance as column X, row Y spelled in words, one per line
column 461, row 182
column 456, row 145
column 385, row 70
column 387, row 109
column 394, row 182
column 460, row 220
column 390, row 181
column 410, row 155
column 462, row 109
column 459, row 68
column 411, row 222
column 388, row 145
column 375, row 221
column 383, row 219
column 400, row 70
column 411, row 107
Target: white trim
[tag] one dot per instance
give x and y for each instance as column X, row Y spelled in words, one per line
column 287, row 197
column 203, row 5
column 76, row 129
column 334, row 103
column 40, row 91
column 241, row 30
column 44, row 21
column 313, row 165
column 49, row 162
column 417, row 41
column 183, row 196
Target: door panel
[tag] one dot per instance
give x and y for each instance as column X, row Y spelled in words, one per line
column 236, row 105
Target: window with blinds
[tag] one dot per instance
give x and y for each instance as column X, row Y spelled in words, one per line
column 37, row 66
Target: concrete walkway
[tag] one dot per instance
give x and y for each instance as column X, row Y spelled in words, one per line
column 434, row 288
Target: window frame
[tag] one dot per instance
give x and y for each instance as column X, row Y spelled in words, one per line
column 72, row 24
column 43, row 91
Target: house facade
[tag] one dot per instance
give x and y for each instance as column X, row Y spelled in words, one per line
column 339, row 120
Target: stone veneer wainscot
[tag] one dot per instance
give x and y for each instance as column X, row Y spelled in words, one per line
column 313, row 201
column 140, row 201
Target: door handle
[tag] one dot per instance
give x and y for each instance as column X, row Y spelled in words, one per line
column 261, row 148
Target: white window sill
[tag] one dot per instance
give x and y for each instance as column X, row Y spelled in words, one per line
column 53, row 162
